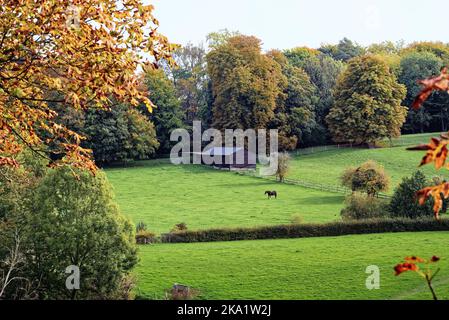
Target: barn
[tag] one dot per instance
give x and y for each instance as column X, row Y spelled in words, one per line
column 232, row 158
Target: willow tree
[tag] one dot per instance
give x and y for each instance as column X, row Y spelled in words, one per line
column 367, row 104
column 83, row 54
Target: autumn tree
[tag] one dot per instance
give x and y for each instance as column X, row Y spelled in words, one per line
column 167, row 116
column 367, row 104
column 83, row 54
column 245, row 84
column 294, row 114
column 369, row 178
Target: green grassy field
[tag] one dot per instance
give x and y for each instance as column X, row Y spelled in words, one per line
column 162, row 195
column 326, row 167
column 313, row 268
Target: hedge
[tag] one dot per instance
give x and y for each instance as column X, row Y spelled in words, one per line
column 308, row 230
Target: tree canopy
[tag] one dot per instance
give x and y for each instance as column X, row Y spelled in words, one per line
column 367, row 103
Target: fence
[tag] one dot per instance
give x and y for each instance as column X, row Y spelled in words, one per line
column 309, row 185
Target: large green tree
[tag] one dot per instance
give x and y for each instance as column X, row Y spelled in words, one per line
column 344, row 50
column 295, row 115
column 168, row 115
column 245, row 84
column 119, row 135
column 433, row 116
column 367, row 103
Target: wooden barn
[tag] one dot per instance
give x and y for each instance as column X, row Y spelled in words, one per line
column 232, row 158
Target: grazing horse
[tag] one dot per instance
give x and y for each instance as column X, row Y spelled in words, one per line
column 271, row 194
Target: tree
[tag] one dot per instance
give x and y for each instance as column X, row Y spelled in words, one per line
column 343, row 51
column 245, row 84
column 191, row 82
column 295, row 114
column 119, row 135
column 283, row 166
column 323, row 72
column 220, row 37
column 73, row 221
column 168, row 114
column 81, row 56
column 414, row 66
column 367, row 104
column 404, row 202
column 369, row 178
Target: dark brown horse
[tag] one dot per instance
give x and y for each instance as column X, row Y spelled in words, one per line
column 271, row 194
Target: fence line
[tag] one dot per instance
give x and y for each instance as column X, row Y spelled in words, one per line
column 310, row 185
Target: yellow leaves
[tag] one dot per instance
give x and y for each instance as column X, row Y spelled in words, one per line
column 436, row 151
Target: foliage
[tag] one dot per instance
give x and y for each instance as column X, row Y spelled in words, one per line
column 180, row 227
column 345, row 50
column 245, row 84
column 332, row 229
column 370, row 178
column 168, row 115
column 74, row 221
column 360, row 206
column 62, row 218
column 367, row 103
column 192, row 83
column 404, row 202
column 413, row 264
column 119, row 135
column 283, row 166
column 81, row 56
column 414, row 66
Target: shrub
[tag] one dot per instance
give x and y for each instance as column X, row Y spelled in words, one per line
column 145, row 237
column 359, row 206
column 369, row 178
column 309, row 230
column 141, row 226
column 180, row 227
column 404, row 202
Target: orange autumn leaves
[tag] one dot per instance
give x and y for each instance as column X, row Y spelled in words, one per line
column 437, row 150
column 412, row 264
column 92, row 63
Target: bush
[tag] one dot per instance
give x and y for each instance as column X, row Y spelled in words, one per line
column 309, row 230
column 369, row 178
column 359, row 206
column 145, row 237
column 404, row 202
column 141, row 226
column 180, row 227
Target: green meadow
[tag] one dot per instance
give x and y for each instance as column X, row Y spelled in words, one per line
column 162, row 195
column 313, row 268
